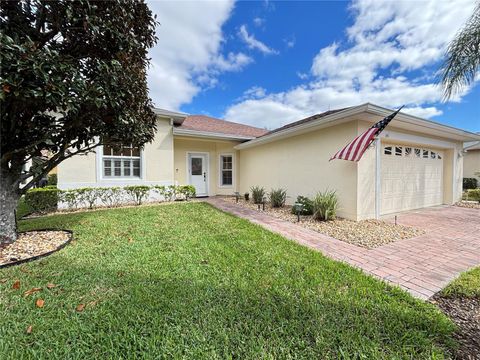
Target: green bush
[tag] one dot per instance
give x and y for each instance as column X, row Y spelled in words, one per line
column 277, row 197
column 307, row 205
column 137, row 193
column 470, row 183
column 188, row 191
column 52, row 180
column 246, row 196
column 325, row 205
column 42, row 200
column 472, row 195
column 110, row 197
column 258, row 193
column 70, row 197
column 88, row 196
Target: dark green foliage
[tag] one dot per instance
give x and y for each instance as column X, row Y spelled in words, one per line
column 472, row 195
column 258, row 194
column 325, row 205
column 246, row 196
column 72, row 72
column 470, row 183
column 307, row 205
column 137, row 193
column 188, row 191
column 41, row 200
column 186, row 281
column 277, row 197
column 52, row 179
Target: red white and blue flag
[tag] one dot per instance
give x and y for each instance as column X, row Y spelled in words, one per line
column 355, row 149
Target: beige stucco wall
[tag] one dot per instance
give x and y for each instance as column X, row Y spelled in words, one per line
column 214, row 148
column 471, row 164
column 157, row 164
column 300, row 165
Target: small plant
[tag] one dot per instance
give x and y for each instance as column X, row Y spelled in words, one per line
column 246, row 196
column 258, row 193
column 307, row 205
column 70, row 197
column 110, row 197
column 52, row 180
column 188, row 191
column 472, row 195
column 469, row 183
column 277, row 197
column 325, row 205
column 137, row 193
column 88, row 196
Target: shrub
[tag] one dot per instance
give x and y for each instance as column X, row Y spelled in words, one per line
column 52, row 180
column 110, row 197
column 188, row 191
column 137, row 193
column 469, row 183
column 325, row 205
column 307, row 205
column 88, row 196
column 258, row 193
column 277, row 197
column 42, row 200
column 472, row 195
column 70, row 197
column 246, row 196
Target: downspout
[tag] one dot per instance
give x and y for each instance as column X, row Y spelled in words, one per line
column 378, row 184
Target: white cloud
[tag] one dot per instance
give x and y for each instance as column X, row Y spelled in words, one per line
column 290, row 41
column 258, row 21
column 255, row 92
column 253, row 43
column 387, row 42
column 188, row 55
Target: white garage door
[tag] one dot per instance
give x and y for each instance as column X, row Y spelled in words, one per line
column 412, row 178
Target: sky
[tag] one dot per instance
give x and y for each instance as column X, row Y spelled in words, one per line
column 266, row 63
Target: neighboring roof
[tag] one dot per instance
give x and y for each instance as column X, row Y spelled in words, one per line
column 370, row 112
column 474, row 146
column 305, row 121
column 202, row 125
column 177, row 117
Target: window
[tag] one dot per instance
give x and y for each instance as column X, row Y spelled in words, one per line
column 425, row 154
column 121, row 161
column 226, row 170
column 408, row 151
column 439, row 157
column 398, row 150
column 387, row 150
column 417, row 152
column 433, row 154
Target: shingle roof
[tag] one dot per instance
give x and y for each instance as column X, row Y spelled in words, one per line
column 213, row 125
column 304, row 121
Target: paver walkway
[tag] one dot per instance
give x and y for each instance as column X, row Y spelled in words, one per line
column 422, row 265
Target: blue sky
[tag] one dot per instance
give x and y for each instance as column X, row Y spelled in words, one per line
column 269, row 63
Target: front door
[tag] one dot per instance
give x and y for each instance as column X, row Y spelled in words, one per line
column 197, row 171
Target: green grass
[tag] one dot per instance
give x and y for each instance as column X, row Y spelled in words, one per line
column 466, row 285
column 188, row 281
column 23, row 208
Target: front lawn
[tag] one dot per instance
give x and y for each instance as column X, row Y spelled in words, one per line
column 466, row 285
column 188, row 281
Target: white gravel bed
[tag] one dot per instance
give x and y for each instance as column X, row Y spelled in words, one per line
column 366, row 233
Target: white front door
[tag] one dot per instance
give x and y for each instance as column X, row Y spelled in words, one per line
column 198, row 173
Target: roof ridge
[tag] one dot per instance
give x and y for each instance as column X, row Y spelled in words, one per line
column 227, row 121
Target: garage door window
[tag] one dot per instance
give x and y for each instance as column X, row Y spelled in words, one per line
column 411, row 152
column 417, row 152
column 408, row 151
column 398, row 150
column 425, row 154
column 387, row 150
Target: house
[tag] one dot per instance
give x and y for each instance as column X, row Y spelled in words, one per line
column 471, row 160
column 418, row 163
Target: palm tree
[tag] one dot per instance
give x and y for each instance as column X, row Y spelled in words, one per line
column 463, row 57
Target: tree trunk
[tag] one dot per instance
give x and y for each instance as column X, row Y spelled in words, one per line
column 8, row 204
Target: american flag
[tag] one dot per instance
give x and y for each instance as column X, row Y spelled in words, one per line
column 355, row 149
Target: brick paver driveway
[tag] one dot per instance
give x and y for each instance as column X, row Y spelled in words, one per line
column 422, row 265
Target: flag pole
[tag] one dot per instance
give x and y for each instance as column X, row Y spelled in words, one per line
column 378, row 186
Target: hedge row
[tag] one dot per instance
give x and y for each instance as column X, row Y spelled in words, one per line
column 46, row 199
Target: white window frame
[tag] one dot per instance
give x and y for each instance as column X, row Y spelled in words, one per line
column 100, row 167
column 220, row 170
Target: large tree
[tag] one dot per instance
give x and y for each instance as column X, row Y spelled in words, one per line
column 463, row 57
column 72, row 73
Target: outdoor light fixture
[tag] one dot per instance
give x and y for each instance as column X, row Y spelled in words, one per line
column 298, row 209
column 237, row 195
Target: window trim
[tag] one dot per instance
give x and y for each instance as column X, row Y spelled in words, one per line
column 220, row 171
column 100, row 176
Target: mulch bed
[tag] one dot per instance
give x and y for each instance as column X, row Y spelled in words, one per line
column 366, row 233
column 468, row 204
column 465, row 313
column 32, row 245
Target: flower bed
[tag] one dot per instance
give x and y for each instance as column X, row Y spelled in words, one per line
column 365, row 233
